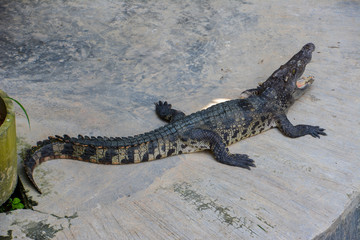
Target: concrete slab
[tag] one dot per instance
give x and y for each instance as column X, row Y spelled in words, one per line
column 96, row 68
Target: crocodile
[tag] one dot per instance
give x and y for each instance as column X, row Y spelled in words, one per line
column 214, row 128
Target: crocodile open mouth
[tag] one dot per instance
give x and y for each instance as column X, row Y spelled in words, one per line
column 304, row 81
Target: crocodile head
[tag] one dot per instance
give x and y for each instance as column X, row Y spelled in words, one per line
column 286, row 82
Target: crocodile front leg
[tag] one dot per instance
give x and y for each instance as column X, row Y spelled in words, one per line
column 217, row 145
column 166, row 113
column 285, row 126
column 249, row 92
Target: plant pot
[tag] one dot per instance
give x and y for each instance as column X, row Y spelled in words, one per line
column 8, row 155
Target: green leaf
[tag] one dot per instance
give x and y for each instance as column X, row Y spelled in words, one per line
column 18, row 206
column 21, row 106
column 16, row 201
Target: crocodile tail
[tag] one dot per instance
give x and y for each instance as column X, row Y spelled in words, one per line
column 34, row 158
column 140, row 148
column 44, row 151
column 29, row 165
column 55, row 148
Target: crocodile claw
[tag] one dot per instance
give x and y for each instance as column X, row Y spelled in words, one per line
column 161, row 104
column 316, row 131
column 239, row 160
column 163, row 109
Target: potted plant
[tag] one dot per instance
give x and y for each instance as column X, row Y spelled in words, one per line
column 8, row 154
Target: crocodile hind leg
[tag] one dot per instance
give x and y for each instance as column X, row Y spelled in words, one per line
column 217, row 145
column 166, row 113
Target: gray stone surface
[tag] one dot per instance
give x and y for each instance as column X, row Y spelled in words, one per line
column 347, row 226
column 97, row 67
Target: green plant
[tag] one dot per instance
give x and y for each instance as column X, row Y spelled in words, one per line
column 16, row 204
column 11, row 204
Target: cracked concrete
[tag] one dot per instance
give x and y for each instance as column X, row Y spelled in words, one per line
column 96, row 68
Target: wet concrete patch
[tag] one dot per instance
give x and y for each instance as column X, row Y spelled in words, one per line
column 225, row 214
column 38, row 226
column 40, row 230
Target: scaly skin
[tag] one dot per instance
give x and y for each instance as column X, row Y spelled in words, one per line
column 211, row 129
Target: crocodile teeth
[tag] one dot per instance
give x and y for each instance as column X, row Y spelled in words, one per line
column 304, row 81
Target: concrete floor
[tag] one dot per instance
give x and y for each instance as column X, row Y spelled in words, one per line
column 97, row 67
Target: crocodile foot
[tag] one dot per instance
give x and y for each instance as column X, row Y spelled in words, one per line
column 315, row 131
column 238, row 160
column 166, row 113
column 163, row 110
